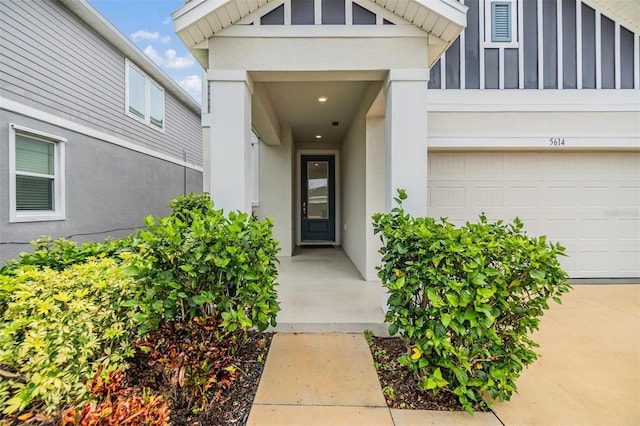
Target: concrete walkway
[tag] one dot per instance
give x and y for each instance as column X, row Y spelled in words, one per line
column 322, row 291
column 588, row 374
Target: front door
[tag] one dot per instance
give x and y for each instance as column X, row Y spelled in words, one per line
column 318, row 198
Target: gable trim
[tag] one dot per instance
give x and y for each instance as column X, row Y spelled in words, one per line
column 198, row 21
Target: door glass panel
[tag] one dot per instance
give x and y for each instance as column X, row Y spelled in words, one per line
column 317, row 190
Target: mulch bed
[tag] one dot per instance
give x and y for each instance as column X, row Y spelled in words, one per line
column 232, row 406
column 398, row 383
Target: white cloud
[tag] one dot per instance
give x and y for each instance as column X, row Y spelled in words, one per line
column 192, row 85
column 178, row 62
column 153, row 55
column 167, row 20
column 145, row 35
column 170, row 59
column 165, row 39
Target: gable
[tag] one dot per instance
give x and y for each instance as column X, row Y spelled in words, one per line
column 439, row 20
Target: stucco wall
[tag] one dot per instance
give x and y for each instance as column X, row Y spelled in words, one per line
column 356, row 172
column 108, row 188
column 316, row 54
column 375, row 191
column 276, row 195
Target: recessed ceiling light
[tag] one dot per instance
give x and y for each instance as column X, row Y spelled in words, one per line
column 318, row 136
column 322, row 99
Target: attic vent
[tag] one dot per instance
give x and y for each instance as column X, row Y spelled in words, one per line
column 500, row 21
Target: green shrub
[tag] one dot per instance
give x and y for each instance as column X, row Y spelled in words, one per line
column 184, row 205
column 210, row 264
column 60, row 254
column 466, row 298
column 58, row 329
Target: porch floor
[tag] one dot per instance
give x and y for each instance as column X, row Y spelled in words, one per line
column 322, row 291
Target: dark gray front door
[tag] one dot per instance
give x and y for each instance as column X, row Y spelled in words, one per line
column 318, row 198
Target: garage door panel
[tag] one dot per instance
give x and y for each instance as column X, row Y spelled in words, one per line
column 521, row 196
column 561, row 229
column 628, row 231
column 589, row 202
column 487, row 197
column 595, row 229
column 629, row 196
column 555, row 196
column 594, row 196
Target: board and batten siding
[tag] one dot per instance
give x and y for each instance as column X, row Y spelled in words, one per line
column 560, row 44
column 55, row 63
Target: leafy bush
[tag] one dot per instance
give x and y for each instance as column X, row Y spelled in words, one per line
column 184, row 205
column 184, row 355
column 58, row 329
column 466, row 299
column 209, row 264
column 118, row 405
column 60, row 254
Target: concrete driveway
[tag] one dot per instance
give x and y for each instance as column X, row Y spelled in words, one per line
column 589, row 371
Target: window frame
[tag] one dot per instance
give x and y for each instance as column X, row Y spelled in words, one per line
column 488, row 24
column 148, row 83
column 59, row 186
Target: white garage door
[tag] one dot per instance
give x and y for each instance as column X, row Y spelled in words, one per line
column 589, row 202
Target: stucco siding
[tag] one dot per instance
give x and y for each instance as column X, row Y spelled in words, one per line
column 276, row 194
column 66, row 69
column 109, row 189
column 354, row 192
column 317, row 54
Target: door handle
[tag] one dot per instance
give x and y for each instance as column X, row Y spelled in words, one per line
column 304, row 210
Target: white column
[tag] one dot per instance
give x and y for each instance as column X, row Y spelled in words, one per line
column 229, row 140
column 406, row 138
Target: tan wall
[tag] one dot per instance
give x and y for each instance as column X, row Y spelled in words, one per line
column 317, row 54
column 355, row 211
column 535, row 123
column 276, row 192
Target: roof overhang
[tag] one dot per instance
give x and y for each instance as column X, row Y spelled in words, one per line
column 625, row 12
column 199, row 20
column 104, row 28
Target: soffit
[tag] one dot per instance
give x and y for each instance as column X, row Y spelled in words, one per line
column 625, row 12
column 199, row 20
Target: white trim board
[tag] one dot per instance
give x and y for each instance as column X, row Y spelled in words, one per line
column 537, row 143
column 604, row 100
column 31, row 112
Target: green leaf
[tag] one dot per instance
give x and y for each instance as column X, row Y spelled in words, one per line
column 453, row 299
column 445, row 319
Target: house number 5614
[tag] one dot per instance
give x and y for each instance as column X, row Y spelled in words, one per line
column 556, row 141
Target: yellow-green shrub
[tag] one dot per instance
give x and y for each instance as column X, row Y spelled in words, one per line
column 58, row 328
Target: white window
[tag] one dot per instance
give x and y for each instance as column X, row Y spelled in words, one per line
column 36, row 164
column 501, row 23
column 144, row 97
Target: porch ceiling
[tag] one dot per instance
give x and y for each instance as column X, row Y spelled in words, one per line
column 296, row 104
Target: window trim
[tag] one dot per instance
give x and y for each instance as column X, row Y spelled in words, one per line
column 59, row 195
column 488, row 24
column 148, row 82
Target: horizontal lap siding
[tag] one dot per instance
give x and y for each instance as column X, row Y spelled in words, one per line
column 65, row 69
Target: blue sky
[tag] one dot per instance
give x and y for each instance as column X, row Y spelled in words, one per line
column 148, row 24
